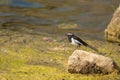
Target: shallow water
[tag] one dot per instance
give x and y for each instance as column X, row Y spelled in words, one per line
column 90, row 17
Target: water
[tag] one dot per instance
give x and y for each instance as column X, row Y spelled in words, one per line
column 90, row 16
column 20, row 3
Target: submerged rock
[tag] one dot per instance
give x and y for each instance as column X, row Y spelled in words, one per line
column 67, row 26
column 112, row 33
column 90, row 63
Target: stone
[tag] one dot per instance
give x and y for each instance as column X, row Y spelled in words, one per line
column 90, row 63
column 112, row 33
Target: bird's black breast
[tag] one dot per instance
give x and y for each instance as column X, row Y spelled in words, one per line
column 69, row 38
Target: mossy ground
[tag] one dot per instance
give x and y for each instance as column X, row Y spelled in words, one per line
column 26, row 56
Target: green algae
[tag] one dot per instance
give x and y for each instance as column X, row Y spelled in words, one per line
column 37, row 59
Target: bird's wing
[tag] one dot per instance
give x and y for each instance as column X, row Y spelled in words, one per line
column 80, row 41
column 74, row 41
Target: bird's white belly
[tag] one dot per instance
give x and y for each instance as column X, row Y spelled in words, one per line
column 74, row 42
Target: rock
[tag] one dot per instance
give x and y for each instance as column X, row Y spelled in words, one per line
column 112, row 33
column 90, row 63
column 47, row 39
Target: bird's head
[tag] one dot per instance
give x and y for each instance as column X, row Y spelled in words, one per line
column 70, row 34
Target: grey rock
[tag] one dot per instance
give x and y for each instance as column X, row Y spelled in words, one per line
column 112, row 33
column 90, row 63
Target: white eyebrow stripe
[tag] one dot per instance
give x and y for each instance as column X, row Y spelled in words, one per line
column 69, row 34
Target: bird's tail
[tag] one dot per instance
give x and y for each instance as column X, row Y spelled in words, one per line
column 93, row 48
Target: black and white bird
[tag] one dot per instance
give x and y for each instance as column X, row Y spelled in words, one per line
column 77, row 41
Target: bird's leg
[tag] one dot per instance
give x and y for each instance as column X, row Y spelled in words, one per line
column 77, row 46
